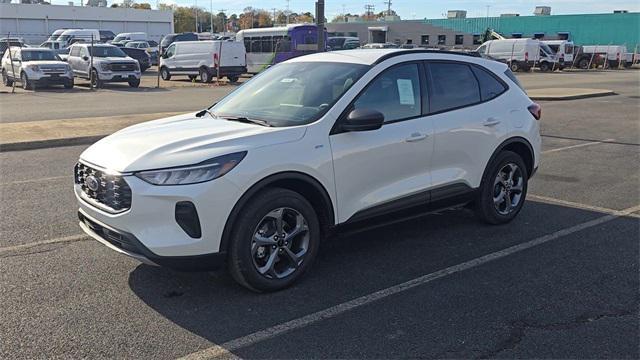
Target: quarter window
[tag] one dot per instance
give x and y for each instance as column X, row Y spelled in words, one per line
column 489, row 86
column 395, row 93
column 452, row 86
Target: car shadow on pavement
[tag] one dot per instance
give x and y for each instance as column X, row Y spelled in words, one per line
column 214, row 307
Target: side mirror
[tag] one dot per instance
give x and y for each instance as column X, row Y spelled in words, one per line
column 363, row 120
column 85, row 58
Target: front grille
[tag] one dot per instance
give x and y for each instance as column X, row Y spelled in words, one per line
column 109, row 191
column 122, row 66
column 52, row 69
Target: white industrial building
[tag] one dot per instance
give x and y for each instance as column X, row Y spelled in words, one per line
column 35, row 22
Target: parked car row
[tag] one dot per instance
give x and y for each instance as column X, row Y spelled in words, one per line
column 101, row 63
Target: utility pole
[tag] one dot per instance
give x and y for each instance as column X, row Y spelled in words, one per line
column 388, row 2
column 488, row 7
column 320, row 25
column 369, row 11
column 344, row 12
column 211, row 14
column 196, row 7
column 224, row 21
column 288, row 11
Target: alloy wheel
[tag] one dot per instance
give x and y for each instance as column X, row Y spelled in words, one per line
column 280, row 243
column 507, row 189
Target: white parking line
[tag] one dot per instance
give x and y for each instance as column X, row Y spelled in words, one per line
column 576, row 205
column 72, row 238
column 70, row 177
column 576, row 146
column 224, row 351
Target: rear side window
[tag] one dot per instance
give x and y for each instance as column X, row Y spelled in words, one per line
column 395, row 93
column 452, row 86
column 514, row 79
column 490, row 87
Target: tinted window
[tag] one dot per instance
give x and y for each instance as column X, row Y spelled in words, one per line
column 106, row 51
column 442, row 39
column 395, row 93
column 459, row 39
column 452, row 86
column 36, row 55
column 490, row 87
column 513, row 78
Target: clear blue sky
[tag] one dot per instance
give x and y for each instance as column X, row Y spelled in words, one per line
column 417, row 9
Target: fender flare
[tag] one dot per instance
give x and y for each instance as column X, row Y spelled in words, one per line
column 266, row 182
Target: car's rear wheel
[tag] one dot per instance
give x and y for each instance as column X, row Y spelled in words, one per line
column 503, row 189
column 5, row 78
column 134, row 83
column 233, row 79
column 274, row 240
column 583, row 64
column 95, row 80
column 514, row 66
column 164, row 74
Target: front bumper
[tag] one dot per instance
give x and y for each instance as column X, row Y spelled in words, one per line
column 45, row 80
column 151, row 217
column 120, row 76
column 127, row 244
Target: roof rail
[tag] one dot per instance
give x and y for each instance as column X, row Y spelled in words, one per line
column 424, row 51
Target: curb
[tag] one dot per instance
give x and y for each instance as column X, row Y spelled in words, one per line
column 49, row 143
column 572, row 97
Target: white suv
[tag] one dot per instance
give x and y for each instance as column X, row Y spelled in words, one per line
column 33, row 67
column 306, row 148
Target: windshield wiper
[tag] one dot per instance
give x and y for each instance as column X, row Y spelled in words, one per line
column 205, row 111
column 246, row 120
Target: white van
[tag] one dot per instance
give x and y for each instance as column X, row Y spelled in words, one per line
column 564, row 50
column 131, row 36
column 520, row 54
column 71, row 36
column 193, row 58
column 616, row 54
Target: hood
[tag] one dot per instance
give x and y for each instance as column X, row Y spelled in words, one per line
column 114, row 59
column 181, row 140
column 48, row 62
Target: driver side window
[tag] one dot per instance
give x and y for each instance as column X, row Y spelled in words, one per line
column 170, row 51
column 395, row 93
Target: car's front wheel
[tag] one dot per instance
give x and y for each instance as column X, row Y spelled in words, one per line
column 503, row 189
column 274, row 240
column 26, row 83
column 164, row 74
column 134, row 83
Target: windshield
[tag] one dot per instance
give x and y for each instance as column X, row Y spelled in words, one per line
column 167, row 39
column 106, row 51
column 40, row 55
column 120, row 38
column 64, row 37
column 547, row 49
column 290, row 94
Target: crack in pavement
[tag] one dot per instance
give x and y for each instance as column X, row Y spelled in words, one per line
column 520, row 327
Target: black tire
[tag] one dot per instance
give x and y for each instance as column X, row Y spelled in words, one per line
column 165, row 74
column 26, row 83
column 97, row 83
column 485, row 206
column 134, row 83
column 243, row 263
column 544, row 66
column 583, row 64
column 5, row 78
column 233, row 79
column 192, row 77
column 205, row 75
column 69, row 84
column 514, row 66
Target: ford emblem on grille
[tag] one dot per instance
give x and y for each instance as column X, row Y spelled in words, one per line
column 92, row 183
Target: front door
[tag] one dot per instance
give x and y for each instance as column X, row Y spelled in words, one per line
column 388, row 166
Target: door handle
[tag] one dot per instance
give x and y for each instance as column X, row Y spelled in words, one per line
column 491, row 122
column 416, row 137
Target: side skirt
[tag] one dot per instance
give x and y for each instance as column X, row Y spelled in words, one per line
column 408, row 208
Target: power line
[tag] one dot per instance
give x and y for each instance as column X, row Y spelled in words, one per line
column 369, row 11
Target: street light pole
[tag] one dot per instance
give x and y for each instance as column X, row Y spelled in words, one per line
column 196, row 7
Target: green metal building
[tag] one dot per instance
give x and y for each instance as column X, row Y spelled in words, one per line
column 588, row 29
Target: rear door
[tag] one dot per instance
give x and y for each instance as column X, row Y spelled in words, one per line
column 470, row 120
column 232, row 54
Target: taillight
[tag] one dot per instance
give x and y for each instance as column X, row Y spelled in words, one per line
column 526, row 56
column 535, row 110
column 215, row 60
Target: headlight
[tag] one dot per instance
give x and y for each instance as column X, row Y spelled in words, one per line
column 33, row 68
column 104, row 66
column 193, row 174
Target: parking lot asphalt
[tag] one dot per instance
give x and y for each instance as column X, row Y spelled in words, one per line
column 561, row 281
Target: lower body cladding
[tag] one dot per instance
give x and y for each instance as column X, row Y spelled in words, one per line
column 179, row 226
